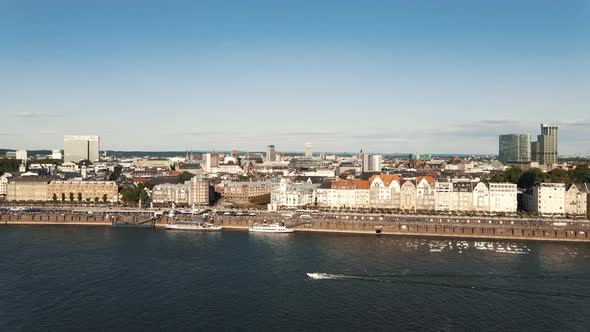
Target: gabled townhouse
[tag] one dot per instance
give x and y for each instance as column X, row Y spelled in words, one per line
column 385, row 191
column 576, row 199
column 408, row 196
column 425, row 193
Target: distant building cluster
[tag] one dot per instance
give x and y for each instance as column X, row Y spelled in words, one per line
column 413, row 183
column 519, row 148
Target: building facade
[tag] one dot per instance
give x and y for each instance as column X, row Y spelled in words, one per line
column 78, row 148
column 287, row 193
column 514, row 148
column 271, row 154
column 199, row 190
column 171, row 193
column 576, row 200
column 244, row 191
column 547, row 145
column 93, row 191
column 545, row 198
column 27, row 189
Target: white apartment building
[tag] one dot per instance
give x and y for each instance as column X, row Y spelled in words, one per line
column 503, row 197
column 474, row 195
column 546, row 198
column 170, row 193
column 4, row 184
column 576, row 200
column 287, row 193
column 345, row 194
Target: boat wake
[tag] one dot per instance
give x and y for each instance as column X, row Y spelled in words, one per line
column 430, row 280
column 318, row 276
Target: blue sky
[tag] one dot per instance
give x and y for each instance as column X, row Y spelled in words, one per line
column 385, row 76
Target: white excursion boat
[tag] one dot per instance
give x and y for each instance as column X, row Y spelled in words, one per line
column 272, row 228
column 194, row 226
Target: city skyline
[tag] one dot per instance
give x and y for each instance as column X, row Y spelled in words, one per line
column 385, row 77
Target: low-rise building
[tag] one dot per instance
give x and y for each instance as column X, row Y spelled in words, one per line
column 170, row 193
column 503, row 197
column 576, row 199
column 4, row 184
column 344, row 194
column 244, row 191
column 425, row 193
column 27, row 189
column 287, row 193
column 545, row 198
column 408, row 196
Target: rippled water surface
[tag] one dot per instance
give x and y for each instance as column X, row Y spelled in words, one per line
column 97, row 278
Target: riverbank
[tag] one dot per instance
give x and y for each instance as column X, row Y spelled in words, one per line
column 465, row 230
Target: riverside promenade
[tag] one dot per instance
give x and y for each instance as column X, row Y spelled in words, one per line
column 420, row 226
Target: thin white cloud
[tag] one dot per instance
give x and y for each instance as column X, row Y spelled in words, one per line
column 36, row 115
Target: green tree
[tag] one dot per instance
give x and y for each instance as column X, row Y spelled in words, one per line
column 71, row 197
column 580, row 174
column 513, row 174
column 559, row 176
column 133, row 194
column 79, row 197
column 54, row 198
column 531, row 177
column 96, row 200
column 185, row 176
column 104, row 198
column 63, row 197
column 9, row 165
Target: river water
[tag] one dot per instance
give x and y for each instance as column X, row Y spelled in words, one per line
column 56, row 278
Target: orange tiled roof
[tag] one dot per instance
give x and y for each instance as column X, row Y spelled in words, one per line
column 387, row 179
column 362, row 184
column 350, row 184
column 429, row 179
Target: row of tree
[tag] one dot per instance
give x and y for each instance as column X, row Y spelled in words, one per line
column 533, row 176
column 78, row 197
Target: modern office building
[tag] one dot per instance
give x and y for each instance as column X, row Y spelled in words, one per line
column 370, row 162
column 78, row 148
column 308, row 150
column 211, row 161
column 271, row 154
column 547, row 145
column 365, row 162
column 535, row 151
column 515, row 147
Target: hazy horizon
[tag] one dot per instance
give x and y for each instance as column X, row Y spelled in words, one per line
column 391, row 76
